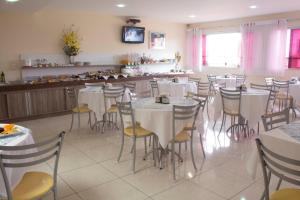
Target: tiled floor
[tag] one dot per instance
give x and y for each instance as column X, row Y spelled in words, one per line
column 88, row 169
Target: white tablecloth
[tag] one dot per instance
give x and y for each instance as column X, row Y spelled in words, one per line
column 280, row 142
column 230, row 82
column 158, row 117
column 295, row 92
column 176, row 89
column 94, row 98
column 15, row 174
column 253, row 105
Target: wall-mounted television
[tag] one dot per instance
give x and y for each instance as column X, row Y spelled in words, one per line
column 132, row 34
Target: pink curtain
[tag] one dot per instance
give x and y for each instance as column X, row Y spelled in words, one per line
column 204, row 61
column 263, row 47
column 194, row 49
column 294, row 57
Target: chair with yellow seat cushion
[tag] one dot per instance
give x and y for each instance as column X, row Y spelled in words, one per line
column 111, row 96
column 76, row 107
column 287, row 193
column 183, row 114
column 34, row 184
column 285, row 168
column 134, row 130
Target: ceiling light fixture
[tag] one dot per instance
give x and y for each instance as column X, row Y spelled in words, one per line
column 11, row 1
column 121, row 5
column 192, row 16
column 253, row 6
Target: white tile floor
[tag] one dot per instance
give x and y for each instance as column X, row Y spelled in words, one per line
column 88, row 169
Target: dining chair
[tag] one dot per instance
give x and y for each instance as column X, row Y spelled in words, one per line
column 260, row 86
column 269, row 81
column 212, row 79
column 231, row 102
column 285, row 168
column 111, row 96
column 154, row 88
column 194, row 79
column 77, row 108
column 132, row 129
column 274, row 120
column 201, row 98
column 132, row 88
column 34, row 184
column 183, row 114
column 240, row 80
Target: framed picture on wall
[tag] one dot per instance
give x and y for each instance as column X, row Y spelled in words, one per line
column 157, row 40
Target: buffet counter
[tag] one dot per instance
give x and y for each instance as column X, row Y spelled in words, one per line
column 35, row 100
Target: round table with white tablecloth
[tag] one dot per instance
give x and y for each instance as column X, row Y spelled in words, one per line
column 230, row 82
column 15, row 175
column 157, row 117
column 94, row 98
column 176, row 89
column 253, row 105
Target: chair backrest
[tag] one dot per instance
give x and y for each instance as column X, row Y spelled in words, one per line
column 96, row 84
column 185, row 113
column 260, row 87
column 131, row 86
column 71, row 93
column 113, row 93
column 281, row 86
column 200, row 98
column 17, row 157
column 286, row 169
column 203, row 87
column 126, row 113
column 154, row 87
column 274, row 120
column 271, row 101
column 269, row 80
column 193, row 79
column 240, row 80
column 231, row 101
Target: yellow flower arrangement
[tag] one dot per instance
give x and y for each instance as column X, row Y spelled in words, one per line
column 71, row 40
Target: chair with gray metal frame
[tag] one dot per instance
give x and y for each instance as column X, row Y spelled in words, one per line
column 183, row 113
column 240, row 80
column 260, row 87
column 212, row 79
column 154, row 88
column 76, row 107
column 231, row 102
column 285, row 168
column 274, row 120
column 111, row 96
column 132, row 88
column 134, row 131
column 34, row 184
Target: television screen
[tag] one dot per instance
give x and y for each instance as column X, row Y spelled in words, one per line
column 131, row 34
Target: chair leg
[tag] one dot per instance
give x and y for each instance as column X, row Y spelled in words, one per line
column 201, row 143
column 179, row 146
column 145, row 143
column 134, row 154
column 186, row 145
column 173, row 159
column 121, row 150
column 192, row 153
column 54, row 190
column 90, row 120
column 223, row 120
column 150, row 141
column 78, row 119
column 72, row 122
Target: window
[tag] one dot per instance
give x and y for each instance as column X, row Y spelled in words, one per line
column 222, row 50
column 293, row 49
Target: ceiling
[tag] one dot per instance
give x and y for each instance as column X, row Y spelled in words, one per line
column 167, row 10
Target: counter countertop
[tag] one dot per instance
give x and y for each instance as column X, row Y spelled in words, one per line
column 28, row 86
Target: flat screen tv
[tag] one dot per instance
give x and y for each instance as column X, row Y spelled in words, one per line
column 132, row 34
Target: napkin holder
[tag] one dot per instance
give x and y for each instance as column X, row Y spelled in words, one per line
column 162, row 99
column 243, row 88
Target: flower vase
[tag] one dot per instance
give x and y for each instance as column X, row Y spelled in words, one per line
column 71, row 60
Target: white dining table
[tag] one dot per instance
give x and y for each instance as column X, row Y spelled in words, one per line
column 94, row 98
column 157, row 117
column 176, row 89
column 15, row 174
column 253, row 105
column 284, row 140
column 230, row 82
